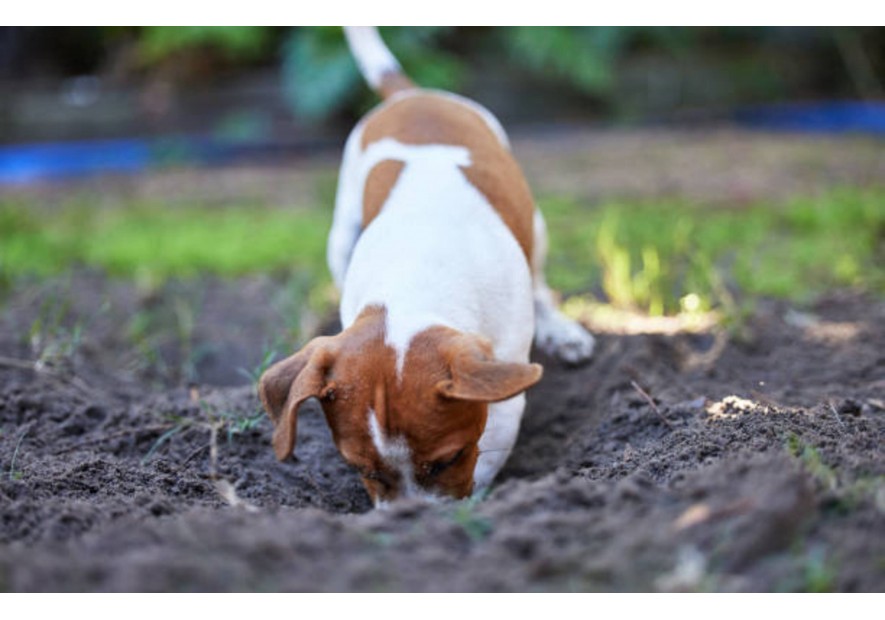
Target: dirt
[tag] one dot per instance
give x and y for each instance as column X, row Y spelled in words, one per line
column 135, row 456
column 656, row 467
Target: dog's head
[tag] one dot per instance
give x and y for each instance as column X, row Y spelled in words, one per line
column 411, row 426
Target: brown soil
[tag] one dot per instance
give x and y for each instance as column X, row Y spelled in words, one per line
column 777, row 488
column 670, row 462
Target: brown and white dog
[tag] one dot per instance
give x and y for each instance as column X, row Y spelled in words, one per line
column 438, row 251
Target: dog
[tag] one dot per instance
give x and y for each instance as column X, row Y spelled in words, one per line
column 438, row 251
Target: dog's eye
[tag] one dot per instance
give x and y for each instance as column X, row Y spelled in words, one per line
column 435, row 468
column 377, row 476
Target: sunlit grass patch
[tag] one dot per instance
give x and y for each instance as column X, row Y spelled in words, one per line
column 668, row 258
column 157, row 241
column 654, row 258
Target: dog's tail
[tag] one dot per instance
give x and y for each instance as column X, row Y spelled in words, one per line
column 376, row 63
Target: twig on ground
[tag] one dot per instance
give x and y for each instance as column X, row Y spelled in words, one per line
column 836, row 413
column 213, row 450
column 225, row 489
column 228, row 493
column 701, row 513
column 651, row 403
column 192, row 456
column 10, row 362
column 44, row 371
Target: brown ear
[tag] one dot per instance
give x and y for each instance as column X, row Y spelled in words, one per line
column 287, row 384
column 477, row 376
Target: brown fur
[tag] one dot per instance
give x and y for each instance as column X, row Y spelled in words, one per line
column 378, row 185
column 392, row 83
column 426, row 118
column 439, row 406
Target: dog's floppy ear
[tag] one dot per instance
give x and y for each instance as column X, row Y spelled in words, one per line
column 476, row 375
column 288, row 383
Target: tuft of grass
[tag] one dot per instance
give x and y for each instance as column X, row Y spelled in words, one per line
column 214, row 420
column 475, row 526
column 233, row 422
column 14, row 474
column 300, row 301
column 172, row 321
column 254, row 375
column 846, row 495
column 142, row 330
column 181, row 423
column 819, row 573
column 56, row 333
column 812, row 461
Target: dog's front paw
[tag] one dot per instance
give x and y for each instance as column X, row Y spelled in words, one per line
column 564, row 339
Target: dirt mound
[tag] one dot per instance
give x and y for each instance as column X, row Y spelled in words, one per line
column 659, row 466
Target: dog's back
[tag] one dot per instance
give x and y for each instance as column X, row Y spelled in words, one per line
column 413, row 116
column 424, row 117
column 444, row 207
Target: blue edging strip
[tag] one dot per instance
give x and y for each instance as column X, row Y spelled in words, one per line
column 829, row 117
column 32, row 162
column 22, row 164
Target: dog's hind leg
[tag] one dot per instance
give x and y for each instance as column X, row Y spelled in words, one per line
column 555, row 333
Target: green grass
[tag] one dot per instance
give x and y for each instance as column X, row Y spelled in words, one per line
column 15, row 474
column 820, row 573
column 812, row 461
column 475, row 526
column 156, row 241
column 652, row 256
column 847, row 495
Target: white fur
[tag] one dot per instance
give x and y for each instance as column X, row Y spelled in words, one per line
column 395, row 452
column 347, row 220
column 498, row 438
column 371, row 54
column 434, row 256
column 435, row 253
column 348, row 216
column 439, row 254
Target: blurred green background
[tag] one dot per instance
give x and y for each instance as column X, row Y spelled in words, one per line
column 671, row 234
column 523, row 73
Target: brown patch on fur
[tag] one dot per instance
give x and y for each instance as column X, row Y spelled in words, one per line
column 378, row 185
column 355, row 371
column 392, row 83
column 427, row 118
